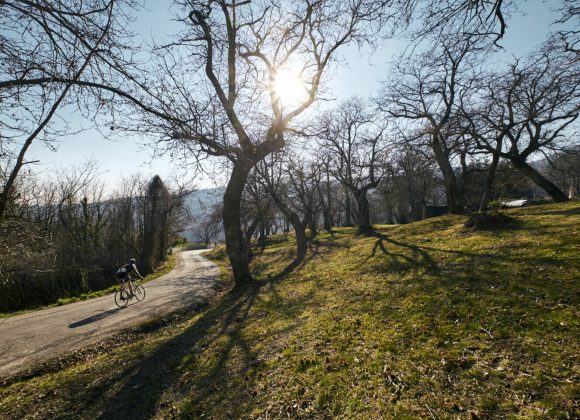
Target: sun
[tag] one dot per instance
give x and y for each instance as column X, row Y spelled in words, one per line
column 289, row 87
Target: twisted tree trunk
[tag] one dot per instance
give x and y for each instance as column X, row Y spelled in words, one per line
column 236, row 246
column 347, row 209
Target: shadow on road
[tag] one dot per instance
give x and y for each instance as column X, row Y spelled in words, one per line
column 94, row 318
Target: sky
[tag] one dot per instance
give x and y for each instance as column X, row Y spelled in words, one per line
column 359, row 74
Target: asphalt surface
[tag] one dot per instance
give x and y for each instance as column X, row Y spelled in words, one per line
column 34, row 337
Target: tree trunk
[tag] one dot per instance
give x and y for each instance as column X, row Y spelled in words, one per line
column 301, row 239
column 326, row 217
column 299, row 228
column 313, row 224
column 451, row 192
column 327, row 209
column 236, row 247
column 416, row 211
column 347, row 211
column 364, row 218
column 521, row 165
column 389, row 214
column 249, row 233
column 485, row 199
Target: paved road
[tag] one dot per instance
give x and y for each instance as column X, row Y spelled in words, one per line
column 28, row 339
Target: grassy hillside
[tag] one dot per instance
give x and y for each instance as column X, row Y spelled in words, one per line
column 425, row 320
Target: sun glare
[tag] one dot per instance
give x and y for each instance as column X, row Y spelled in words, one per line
column 289, row 87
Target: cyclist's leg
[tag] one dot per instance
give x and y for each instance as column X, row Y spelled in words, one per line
column 122, row 287
column 131, row 288
column 126, row 279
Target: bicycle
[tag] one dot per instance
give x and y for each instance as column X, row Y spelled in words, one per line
column 124, row 295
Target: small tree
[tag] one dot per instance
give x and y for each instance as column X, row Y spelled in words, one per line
column 304, row 180
column 325, row 189
column 565, row 169
column 156, row 206
column 271, row 173
column 209, row 225
column 409, row 184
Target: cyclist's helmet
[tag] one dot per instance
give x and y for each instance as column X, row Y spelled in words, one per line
column 132, row 261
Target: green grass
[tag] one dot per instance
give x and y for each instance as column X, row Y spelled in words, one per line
column 165, row 268
column 426, row 321
column 219, row 257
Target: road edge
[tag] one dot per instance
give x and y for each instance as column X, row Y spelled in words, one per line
column 124, row 337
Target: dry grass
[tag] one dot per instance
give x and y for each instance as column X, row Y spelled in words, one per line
column 424, row 320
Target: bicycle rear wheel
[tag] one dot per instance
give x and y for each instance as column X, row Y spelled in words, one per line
column 139, row 292
column 121, row 298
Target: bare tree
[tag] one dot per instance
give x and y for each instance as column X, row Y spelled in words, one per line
column 257, row 209
column 47, row 49
column 410, row 183
column 325, row 190
column 426, row 91
column 566, row 170
column 492, row 104
column 570, row 38
column 209, row 225
column 272, row 175
column 304, row 180
column 357, row 142
column 235, row 111
column 531, row 108
column 472, row 18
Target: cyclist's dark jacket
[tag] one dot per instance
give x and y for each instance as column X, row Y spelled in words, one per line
column 123, row 272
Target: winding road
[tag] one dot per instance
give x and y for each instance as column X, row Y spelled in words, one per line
column 34, row 337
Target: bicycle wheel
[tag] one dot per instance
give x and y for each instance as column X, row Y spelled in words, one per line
column 139, row 292
column 121, row 298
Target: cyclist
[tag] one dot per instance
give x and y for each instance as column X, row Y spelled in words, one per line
column 124, row 274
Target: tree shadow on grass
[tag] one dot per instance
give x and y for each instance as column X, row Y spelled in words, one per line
column 145, row 381
column 315, row 246
column 418, row 256
column 421, row 254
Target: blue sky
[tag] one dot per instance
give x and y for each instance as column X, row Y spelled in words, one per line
column 359, row 75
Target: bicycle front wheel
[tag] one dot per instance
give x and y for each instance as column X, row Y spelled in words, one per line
column 139, row 292
column 121, row 298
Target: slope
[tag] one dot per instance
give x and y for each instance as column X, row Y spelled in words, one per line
column 423, row 320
